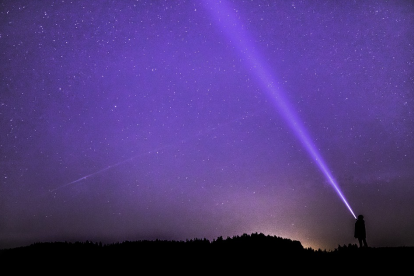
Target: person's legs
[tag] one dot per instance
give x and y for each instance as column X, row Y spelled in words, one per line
column 360, row 242
column 365, row 243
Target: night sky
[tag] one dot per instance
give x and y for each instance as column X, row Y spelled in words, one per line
column 131, row 120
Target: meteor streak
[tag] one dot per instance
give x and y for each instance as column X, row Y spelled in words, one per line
column 231, row 26
column 98, row 172
column 200, row 133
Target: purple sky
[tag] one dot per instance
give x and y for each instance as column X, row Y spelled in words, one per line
column 127, row 120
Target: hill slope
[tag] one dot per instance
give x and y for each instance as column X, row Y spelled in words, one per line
column 254, row 253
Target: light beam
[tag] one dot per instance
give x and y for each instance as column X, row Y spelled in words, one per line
column 232, row 27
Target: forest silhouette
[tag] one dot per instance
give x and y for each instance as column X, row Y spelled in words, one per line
column 246, row 253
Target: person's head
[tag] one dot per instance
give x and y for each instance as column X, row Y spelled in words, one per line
column 360, row 217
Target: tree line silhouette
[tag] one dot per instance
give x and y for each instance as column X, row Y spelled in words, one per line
column 255, row 252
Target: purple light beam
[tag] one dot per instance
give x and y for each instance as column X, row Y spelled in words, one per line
column 231, row 26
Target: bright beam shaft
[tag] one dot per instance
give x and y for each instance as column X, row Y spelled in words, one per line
column 226, row 17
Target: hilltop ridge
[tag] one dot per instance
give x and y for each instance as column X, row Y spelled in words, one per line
column 238, row 253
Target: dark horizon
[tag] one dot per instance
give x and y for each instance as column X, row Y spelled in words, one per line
column 256, row 238
column 239, row 253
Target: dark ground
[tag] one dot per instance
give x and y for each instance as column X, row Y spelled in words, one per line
column 247, row 254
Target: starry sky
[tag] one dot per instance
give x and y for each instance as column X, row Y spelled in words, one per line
column 129, row 120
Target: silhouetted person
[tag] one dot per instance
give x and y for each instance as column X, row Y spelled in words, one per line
column 360, row 233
